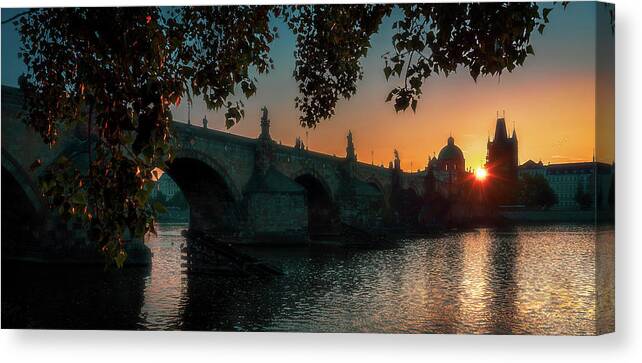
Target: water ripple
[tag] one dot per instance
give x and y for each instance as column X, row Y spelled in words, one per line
column 527, row 280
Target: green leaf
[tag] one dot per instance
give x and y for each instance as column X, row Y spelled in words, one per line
column 120, row 258
column 430, row 36
column 387, row 71
column 398, row 68
column 545, row 13
column 159, row 207
column 474, row 72
column 36, row 164
column 78, row 198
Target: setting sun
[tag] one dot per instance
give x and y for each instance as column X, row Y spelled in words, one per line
column 481, row 174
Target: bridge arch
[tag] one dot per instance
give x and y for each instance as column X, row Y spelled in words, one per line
column 415, row 189
column 375, row 182
column 323, row 215
column 12, row 168
column 213, row 198
column 212, row 163
column 23, row 210
column 408, row 204
column 321, row 177
column 381, row 187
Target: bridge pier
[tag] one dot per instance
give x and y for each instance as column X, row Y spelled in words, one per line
column 276, row 216
column 275, row 205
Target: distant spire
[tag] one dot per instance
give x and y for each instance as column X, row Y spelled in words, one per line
column 451, row 140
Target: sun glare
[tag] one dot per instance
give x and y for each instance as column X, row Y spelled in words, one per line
column 481, row 174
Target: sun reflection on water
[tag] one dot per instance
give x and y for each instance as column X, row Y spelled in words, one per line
column 525, row 280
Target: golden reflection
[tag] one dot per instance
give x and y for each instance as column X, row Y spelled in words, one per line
column 558, row 300
column 475, row 290
column 523, row 280
column 164, row 287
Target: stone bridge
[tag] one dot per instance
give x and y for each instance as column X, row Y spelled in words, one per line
column 255, row 188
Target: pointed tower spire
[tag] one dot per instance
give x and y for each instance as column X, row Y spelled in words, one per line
column 500, row 130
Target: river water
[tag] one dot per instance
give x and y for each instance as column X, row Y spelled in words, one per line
column 524, row 280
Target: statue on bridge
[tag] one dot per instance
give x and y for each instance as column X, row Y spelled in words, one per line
column 350, row 154
column 264, row 109
column 264, row 153
column 299, row 144
column 265, row 125
column 397, row 161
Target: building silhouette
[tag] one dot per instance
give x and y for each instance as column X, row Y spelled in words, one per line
column 570, row 179
column 502, row 163
column 448, row 169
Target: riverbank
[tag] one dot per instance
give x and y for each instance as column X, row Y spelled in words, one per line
column 557, row 216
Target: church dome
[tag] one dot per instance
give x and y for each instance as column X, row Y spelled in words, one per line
column 451, row 151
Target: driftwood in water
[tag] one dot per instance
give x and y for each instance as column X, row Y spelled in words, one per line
column 208, row 254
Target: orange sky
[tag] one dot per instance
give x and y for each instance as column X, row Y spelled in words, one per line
column 551, row 101
column 554, row 116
